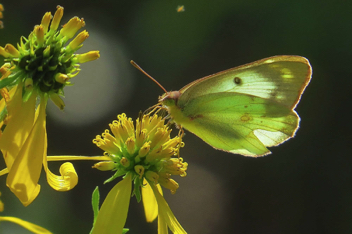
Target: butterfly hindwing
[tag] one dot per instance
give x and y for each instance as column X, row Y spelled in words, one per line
column 239, row 123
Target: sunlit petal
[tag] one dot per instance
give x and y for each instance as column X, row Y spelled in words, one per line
column 25, row 172
column 27, row 225
column 162, row 225
column 15, row 101
column 149, row 201
column 14, row 136
column 113, row 213
column 166, row 213
column 71, row 157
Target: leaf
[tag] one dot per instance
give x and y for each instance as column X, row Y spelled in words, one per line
column 95, row 204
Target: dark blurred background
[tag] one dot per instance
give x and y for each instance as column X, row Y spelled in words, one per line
column 305, row 186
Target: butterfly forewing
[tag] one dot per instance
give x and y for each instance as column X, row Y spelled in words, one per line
column 279, row 78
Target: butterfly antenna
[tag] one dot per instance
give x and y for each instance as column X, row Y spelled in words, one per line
column 139, row 68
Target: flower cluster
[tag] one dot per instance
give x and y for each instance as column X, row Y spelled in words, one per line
column 42, row 63
column 148, row 156
column 38, row 69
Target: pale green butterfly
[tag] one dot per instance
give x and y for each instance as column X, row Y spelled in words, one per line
column 244, row 109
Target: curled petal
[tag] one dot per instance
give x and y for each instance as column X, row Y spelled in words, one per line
column 113, row 213
column 67, row 180
column 27, row 225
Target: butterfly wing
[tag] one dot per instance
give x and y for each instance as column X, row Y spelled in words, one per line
column 279, row 78
column 243, row 110
column 238, row 123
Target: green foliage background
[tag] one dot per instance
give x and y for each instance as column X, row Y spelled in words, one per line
column 305, row 186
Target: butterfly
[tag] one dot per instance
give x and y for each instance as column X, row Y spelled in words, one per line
column 243, row 110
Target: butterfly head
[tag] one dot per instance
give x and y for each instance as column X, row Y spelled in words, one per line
column 169, row 98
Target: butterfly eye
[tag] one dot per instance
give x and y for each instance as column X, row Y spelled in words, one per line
column 237, row 80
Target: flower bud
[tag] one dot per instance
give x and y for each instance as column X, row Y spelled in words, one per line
column 104, row 166
column 139, row 169
column 57, row 18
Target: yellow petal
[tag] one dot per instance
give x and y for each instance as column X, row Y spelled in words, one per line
column 113, row 213
column 25, row 172
column 67, row 180
column 149, row 202
column 162, row 226
column 2, row 103
column 15, row 100
column 4, row 171
column 29, row 226
column 166, row 214
column 70, row 157
column 7, row 97
column 21, row 119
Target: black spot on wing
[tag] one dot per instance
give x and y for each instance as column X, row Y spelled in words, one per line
column 237, row 80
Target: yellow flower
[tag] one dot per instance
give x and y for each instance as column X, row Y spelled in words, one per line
column 38, row 69
column 148, row 156
column 27, row 225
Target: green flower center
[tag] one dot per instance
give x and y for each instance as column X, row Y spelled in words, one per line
column 43, row 65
